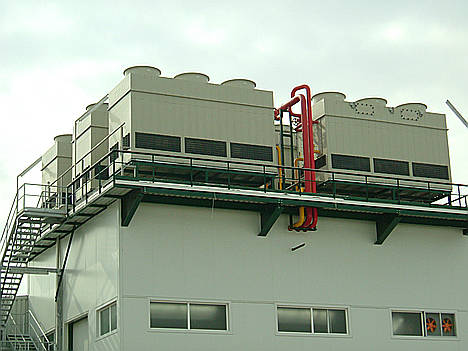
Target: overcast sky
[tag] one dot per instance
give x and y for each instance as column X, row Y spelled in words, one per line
column 59, row 56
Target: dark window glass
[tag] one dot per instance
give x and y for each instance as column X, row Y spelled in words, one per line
column 337, row 321
column 426, row 170
column 448, row 324
column 104, row 320
column 252, row 152
column 113, row 313
column 320, row 321
column 294, row 320
column 211, row 317
column 321, row 162
column 391, row 167
column 157, row 142
column 168, row 315
column 101, row 172
column 355, row 163
column 407, row 323
column 205, row 147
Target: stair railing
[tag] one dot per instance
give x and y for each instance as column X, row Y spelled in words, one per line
column 12, row 328
column 8, row 224
column 38, row 335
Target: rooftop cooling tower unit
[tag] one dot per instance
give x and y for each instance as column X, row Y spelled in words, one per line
column 185, row 119
column 366, row 141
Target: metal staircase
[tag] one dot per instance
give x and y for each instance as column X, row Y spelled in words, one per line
column 23, row 332
column 19, row 241
column 21, row 342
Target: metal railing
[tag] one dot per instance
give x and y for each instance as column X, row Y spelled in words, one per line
column 172, row 168
column 227, row 173
column 37, row 333
column 23, row 329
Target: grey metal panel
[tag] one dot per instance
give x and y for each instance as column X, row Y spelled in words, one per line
column 193, row 109
column 213, row 257
column 369, row 128
column 57, row 160
column 91, row 279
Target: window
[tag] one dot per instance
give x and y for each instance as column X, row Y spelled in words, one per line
column 312, row 320
column 420, row 323
column 107, row 319
column 188, row 316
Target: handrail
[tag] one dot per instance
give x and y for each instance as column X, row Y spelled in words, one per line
column 370, row 179
column 7, row 224
column 273, row 166
column 43, row 334
column 42, row 337
column 16, row 328
column 85, row 155
column 39, row 338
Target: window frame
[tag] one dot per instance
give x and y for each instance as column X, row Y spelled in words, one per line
column 227, row 304
column 424, row 335
column 107, row 306
column 312, row 333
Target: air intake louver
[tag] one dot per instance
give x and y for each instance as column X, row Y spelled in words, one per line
column 126, row 142
column 321, row 162
column 157, row 142
column 355, row 163
column 391, row 167
column 426, row 170
column 252, row 152
column 114, row 155
column 205, row 147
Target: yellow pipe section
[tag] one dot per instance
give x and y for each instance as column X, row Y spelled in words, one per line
column 301, row 219
column 280, row 170
column 296, row 175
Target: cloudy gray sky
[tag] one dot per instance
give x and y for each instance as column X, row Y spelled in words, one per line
column 59, row 56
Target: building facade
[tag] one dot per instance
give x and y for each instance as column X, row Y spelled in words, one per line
column 182, row 234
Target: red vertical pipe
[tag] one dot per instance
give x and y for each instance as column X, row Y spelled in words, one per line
column 308, row 136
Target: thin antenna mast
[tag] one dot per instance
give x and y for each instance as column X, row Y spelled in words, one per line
column 458, row 114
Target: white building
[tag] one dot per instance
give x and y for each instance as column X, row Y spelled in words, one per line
column 162, row 224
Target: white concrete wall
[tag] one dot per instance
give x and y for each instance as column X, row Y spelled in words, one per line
column 189, row 253
column 90, row 281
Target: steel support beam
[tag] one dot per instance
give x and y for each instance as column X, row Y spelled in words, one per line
column 268, row 217
column 33, row 270
column 385, row 225
column 129, row 205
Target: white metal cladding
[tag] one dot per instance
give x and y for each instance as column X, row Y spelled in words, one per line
column 188, row 107
column 88, row 132
column 57, row 161
column 394, row 139
column 212, row 257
